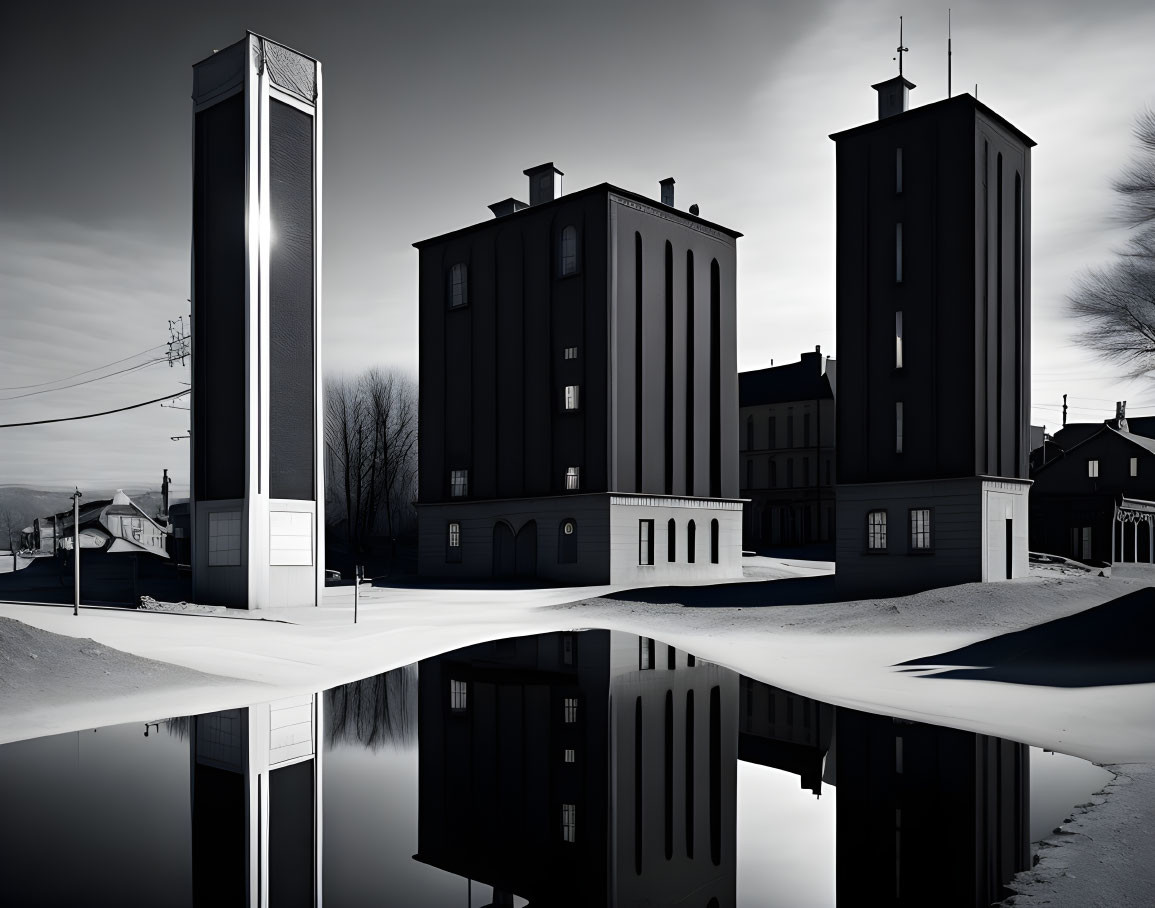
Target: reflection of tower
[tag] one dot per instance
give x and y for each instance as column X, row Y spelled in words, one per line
column 574, row 769
column 785, row 731
column 256, row 805
column 257, row 520
column 927, row 815
column 933, row 305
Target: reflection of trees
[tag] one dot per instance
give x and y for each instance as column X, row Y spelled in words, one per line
column 374, row 712
column 179, row 727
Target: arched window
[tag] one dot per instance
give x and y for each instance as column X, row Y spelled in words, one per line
column 567, row 541
column 567, row 261
column 691, row 534
column 714, row 541
column 671, row 541
column 458, row 289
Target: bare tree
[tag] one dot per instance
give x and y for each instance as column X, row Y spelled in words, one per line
column 10, row 529
column 371, row 462
column 1118, row 300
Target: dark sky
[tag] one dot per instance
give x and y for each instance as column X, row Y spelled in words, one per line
column 432, row 111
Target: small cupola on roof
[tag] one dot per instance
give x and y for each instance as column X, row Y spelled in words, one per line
column 506, row 206
column 544, row 183
column 894, row 94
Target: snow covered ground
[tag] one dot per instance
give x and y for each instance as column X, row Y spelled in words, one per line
column 1074, row 686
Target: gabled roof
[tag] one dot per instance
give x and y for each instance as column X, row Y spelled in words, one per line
column 778, row 384
column 1139, row 441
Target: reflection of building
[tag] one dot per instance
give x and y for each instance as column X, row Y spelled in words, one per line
column 927, row 815
column 786, row 426
column 591, row 768
column 113, row 525
column 257, row 521
column 1094, row 500
column 256, row 805
column 785, row 731
column 933, row 306
column 578, row 392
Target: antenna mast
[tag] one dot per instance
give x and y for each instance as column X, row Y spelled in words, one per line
column 948, row 52
column 901, row 50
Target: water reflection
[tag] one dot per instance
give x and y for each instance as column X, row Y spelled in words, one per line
column 374, row 712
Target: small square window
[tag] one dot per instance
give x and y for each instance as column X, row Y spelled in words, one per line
column 458, row 483
column 457, row 696
column 1092, row 468
column 573, row 478
column 1134, row 466
column 569, row 756
column 572, row 397
column 568, row 822
column 920, row 529
column 571, row 352
column 876, row 531
column 570, row 710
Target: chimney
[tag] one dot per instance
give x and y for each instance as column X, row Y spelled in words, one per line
column 544, row 183
column 667, row 191
column 893, row 96
column 164, row 496
column 506, row 206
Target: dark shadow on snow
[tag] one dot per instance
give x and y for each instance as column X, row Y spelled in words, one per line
column 761, row 594
column 1108, row 644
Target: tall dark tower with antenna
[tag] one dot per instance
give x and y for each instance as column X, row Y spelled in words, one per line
column 933, row 309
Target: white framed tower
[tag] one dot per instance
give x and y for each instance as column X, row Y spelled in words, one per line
column 257, row 500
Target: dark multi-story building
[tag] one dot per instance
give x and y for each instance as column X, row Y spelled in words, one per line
column 584, row 768
column 578, row 391
column 786, row 442
column 933, row 306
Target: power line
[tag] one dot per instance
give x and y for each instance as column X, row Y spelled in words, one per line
column 87, row 381
column 40, row 422
column 85, row 372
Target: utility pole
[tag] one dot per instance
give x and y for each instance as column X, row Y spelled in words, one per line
column 357, row 569
column 76, row 552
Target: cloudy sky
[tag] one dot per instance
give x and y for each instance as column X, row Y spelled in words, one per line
column 433, row 109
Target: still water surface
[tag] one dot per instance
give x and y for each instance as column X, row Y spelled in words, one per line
column 569, row 769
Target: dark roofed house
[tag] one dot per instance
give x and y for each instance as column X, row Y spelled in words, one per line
column 786, row 445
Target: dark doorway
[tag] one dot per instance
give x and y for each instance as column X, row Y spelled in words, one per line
column 1010, row 549
column 504, row 563
column 525, row 558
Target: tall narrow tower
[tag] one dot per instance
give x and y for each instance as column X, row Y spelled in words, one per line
column 257, row 481
column 933, row 306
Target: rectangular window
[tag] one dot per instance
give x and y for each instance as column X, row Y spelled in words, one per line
column 568, row 822
column 898, row 755
column 645, row 542
column 773, row 432
column 898, row 427
column 920, row 529
column 876, row 531
column 571, row 352
column 806, row 430
column 789, row 427
column 790, row 473
column 898, row 170
column 458, row 483
column 898, row 340
column 573, row 478
column 567, row 648
column 457, row 696
column 458, row 286
column 1134, row 466
column 224, row 538
column 1086, row 534
column 453, row 542
column 569, row 756
column 898, row 252
column 645, row 653
column 570, row 710
column 571, row 397
column 1093, row 468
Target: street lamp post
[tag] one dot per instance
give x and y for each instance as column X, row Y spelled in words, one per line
column 76, row 552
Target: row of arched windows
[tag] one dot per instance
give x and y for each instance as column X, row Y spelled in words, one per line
column 691, row 541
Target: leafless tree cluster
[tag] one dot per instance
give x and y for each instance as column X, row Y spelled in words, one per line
column 374, row 712
column 1118, row 300
column 371, row 455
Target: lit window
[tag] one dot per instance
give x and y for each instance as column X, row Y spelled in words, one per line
column 898, row 340
column 454, row 535
column 920, row 529
column 573, row 479
column 571, row 352
column 1093, row 468
column 567, row 262
column 458, row 483
column 876, row 531
column 570, row 710
column 458, row 286
column 569, row 756
column 898, row 252
column 224, row 537
column 898, row 170
column 645, row 542
column 1134, row 466
column 898, row 427
column 457, row 695
column 568, row 822
column 572, row 397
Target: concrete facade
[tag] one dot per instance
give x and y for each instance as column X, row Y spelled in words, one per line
column 933, row 306
column 256, row 508
column 574, row 351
